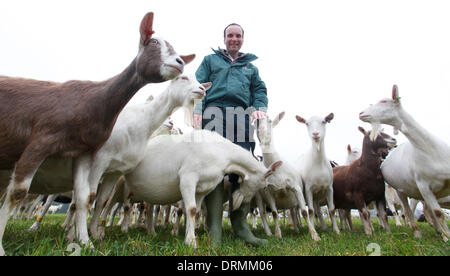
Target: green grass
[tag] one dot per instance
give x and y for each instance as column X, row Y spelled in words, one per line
column 49, row 241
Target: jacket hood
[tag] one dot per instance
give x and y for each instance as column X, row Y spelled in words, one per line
column 243, row 58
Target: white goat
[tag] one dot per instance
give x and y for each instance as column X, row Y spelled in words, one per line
column 120, row 193
column 286, row 189
column 419, row 168
column 393, row 202
column 189, row 167
column 352, row 155
column 54, row 208
column 316, row 172
column 126, row 146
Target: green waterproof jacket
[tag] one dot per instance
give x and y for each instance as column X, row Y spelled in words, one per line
column 234, row 84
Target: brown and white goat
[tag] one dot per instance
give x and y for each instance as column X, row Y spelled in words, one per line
column 361, row 182
column 72, row 119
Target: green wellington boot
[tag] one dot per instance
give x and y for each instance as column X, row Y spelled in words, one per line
column 214, row 207
column 241, row 227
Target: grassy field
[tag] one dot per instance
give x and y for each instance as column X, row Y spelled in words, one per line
column 49, row 241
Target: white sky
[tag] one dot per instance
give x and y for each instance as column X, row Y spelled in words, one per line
column 315, row 57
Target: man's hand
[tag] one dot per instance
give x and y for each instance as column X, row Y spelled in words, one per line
column 197, row 121
column 256, row 115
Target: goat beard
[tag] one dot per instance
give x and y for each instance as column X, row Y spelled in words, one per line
column 189, row 114
column 317, row 145
column 375, row 131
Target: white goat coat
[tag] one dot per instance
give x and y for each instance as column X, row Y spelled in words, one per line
column 168, row 158
column 405, row 162
column 189, row 167
column 420, row 168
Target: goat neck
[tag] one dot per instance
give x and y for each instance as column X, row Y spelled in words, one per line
column 369, row 155
column 318, row 150
column 118, row 91
column 159, row 109
column 270, row 154
column 416, row 134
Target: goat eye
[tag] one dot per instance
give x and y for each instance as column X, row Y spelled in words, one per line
column 184, row 78
column 154, row 42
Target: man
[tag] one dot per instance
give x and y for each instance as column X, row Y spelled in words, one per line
column 237, row 92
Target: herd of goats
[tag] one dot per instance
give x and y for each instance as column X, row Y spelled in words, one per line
column 79, row 137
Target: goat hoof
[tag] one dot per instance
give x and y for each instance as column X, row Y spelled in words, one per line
column 192, row 243
column 34, row 227
column 315, row 237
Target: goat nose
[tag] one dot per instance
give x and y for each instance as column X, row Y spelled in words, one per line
column 180, row 61
column 316, row 134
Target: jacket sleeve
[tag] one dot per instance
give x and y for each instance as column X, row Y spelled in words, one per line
column 259, row 92
column 202, row 74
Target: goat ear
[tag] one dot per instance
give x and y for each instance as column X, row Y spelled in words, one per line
column 188, row 59
column 363, row 131
column 146, row 28
column 300, row 119
column 278, row 118
column 273, row 168
column 395, row 94
column 329, row 117
column 207, row 85
column 349, row 148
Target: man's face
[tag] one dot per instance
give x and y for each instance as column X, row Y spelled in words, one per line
column 233, row 39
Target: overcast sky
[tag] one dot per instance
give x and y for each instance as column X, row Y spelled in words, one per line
column 315, row 57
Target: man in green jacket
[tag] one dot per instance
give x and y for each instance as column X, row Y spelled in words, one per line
column 237, row 95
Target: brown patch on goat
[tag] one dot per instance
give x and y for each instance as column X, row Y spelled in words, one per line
column 126, row 208
column 310, row 212
column 73, row 207
column 197, row 216
column 365, row 215
column 275, row 214
column 92, row 198
column 304, row 213
column 18, row 195
column 438, row 213
column 193, row 211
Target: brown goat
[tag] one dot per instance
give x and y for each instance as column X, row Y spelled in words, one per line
column 361, row 182
column 72, row 119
